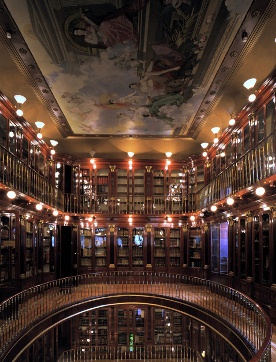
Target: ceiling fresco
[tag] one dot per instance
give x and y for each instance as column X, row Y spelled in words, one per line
column 133, row 67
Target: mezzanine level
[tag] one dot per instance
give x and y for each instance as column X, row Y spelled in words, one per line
column 256, row 167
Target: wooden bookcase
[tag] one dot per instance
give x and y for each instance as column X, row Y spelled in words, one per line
column 8, row 247
column 159, row 249
column 195, row 247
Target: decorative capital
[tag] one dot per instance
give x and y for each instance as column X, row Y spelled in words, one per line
column 185, row 227
column 249, row 216
column 230, row 221
column 251, row 115
column 148, row 228
column 273, row 211
column 111, row 228
column 112, row 168
column 148, row 168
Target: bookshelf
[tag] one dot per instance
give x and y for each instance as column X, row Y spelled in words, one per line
column 7, row 247
column 265, row 248
column 195, row 247
column 159, row 248
column 102, row 189
column 137, row 247
column 123, row 248
column 48, row 244
column 100, row 247
column 122, row 191
column 158, row 191
column 86, row 247
column 175, row 248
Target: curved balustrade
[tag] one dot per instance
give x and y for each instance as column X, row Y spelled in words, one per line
column 174, row 353
column 238, row 311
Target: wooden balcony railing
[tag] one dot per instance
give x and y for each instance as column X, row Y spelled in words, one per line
column 18, row 175
column 256, row 165
column 242, row 317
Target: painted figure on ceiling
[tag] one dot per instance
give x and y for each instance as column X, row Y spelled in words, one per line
column 108, row 33
column 153, row 79
column 115, row 28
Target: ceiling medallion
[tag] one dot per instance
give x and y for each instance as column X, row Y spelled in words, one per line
column 233, row 54
column 22, row 51
column 224, row 69
column 31, row 66
column 45, row 91
column 55, row 109
column 39, row 80
column 255, row 13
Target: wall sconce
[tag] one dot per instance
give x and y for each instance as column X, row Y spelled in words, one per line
column 130, row 220
column 53, row 143
column 192, row 218
column 230, row 201
column 92, row 160
column 168, row 162
column 20, row 100
column 204, row 145
column 55, row 212
column 39, row 207
column 169, row 218
column 232, row 120
column 260, row 191
column 66, row 217
column 11, row 194
column 249, row 84
column 130, row 164
column 252, row 97
column 215, row 130
column 130, row 154
column 39, row 125
column 214, row 208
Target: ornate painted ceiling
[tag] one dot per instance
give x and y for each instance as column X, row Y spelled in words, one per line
column 151, row 75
